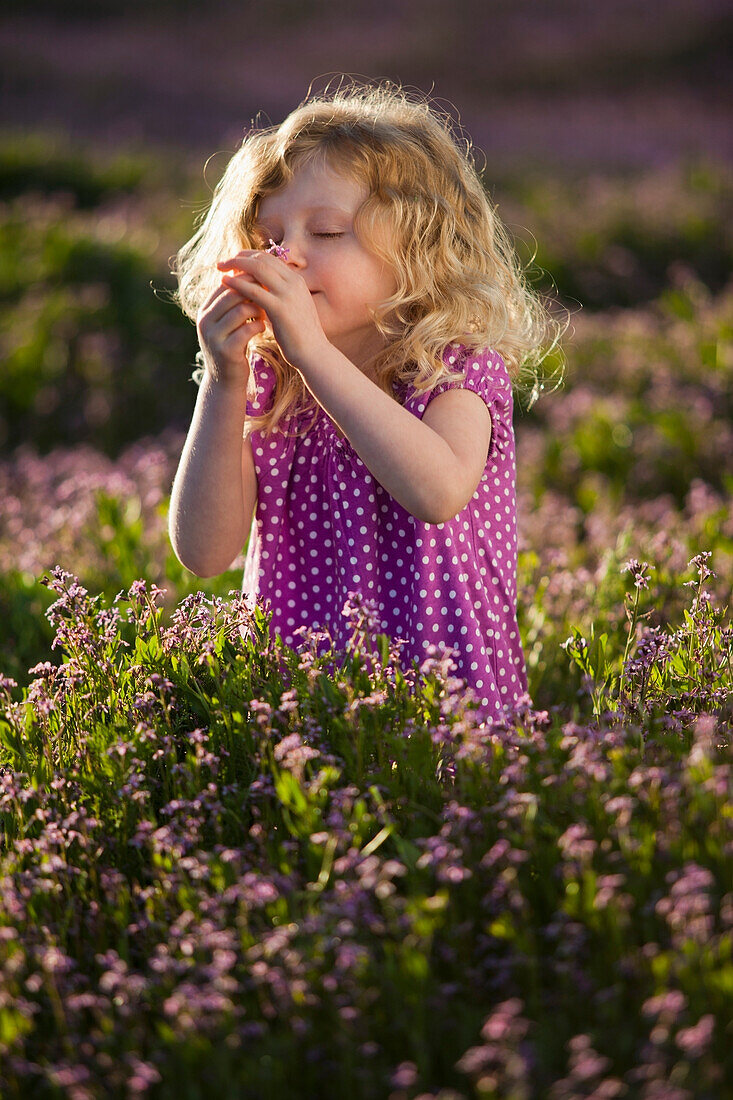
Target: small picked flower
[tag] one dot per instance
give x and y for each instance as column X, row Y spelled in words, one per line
column 278, row 250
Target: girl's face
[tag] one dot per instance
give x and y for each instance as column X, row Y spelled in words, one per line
column 313, row 216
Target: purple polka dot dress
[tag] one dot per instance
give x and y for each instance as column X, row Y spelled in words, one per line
column 323, row 527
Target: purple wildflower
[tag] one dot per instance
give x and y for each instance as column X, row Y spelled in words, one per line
column 694, row 1041
column 687, row 907
column 277, row 250
column 668, row 1006
column 638, row 571
column 404, row 1076
column 361, row 612
column 652, row 648
column 700, row 563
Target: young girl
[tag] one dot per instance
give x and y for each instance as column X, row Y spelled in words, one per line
column 362, row 317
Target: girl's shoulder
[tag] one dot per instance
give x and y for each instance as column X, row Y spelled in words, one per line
column 480, row 369
column 476, row 361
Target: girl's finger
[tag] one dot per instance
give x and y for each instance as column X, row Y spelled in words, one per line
column 229, row 300
column 246, row 288
column 240, row 260
column 241, row 317
column 236, row 261
column 216, row 293
column 262, row 265
column 244, row 276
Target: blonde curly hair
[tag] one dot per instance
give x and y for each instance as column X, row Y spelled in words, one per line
column 459, row 277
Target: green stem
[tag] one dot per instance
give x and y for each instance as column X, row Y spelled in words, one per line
column 630, row 634
column 693, row 635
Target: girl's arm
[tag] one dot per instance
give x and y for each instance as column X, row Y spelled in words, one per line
column 432, row 466
column 215, row 488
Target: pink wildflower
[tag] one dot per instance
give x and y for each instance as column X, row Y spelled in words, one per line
column 278, row 250
column 638, row 571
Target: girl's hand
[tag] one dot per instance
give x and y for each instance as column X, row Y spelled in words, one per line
column 282, row 295
column 225, row 324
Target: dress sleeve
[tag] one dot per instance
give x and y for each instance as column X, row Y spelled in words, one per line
column 264, row 380
column 485, row 373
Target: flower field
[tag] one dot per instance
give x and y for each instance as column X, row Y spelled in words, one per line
column 228, row 864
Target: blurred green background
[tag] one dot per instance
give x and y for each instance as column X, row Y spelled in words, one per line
column 603, row 133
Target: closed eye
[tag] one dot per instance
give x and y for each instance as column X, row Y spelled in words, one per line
column 315, row 235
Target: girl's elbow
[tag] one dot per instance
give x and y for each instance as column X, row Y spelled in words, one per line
column 452, row 502
column 203, row 572
column 442, row 510
column 204, row 568
column 439, row 518
column 200, row 567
